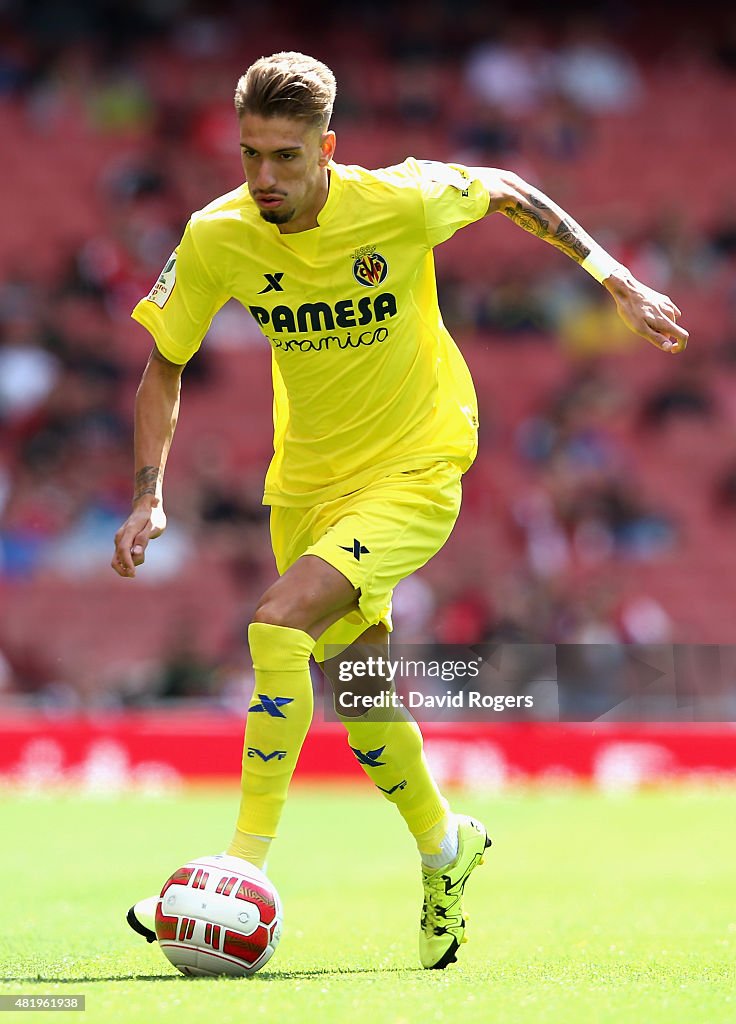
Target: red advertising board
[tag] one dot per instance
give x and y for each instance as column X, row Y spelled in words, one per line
column 152, row 749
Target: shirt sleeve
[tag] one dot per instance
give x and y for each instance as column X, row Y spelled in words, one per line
column 179, row 308
column 452, row 198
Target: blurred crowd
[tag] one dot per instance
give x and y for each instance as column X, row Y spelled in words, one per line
column 124, row 125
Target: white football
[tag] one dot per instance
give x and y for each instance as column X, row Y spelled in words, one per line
column 218, row 915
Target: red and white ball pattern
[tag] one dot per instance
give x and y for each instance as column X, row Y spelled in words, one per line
column 218, row 915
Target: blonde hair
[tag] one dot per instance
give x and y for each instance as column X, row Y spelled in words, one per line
column 290, row 85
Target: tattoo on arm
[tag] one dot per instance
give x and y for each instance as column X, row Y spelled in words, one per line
column 527, row 219
column 546, row 221
column 146, row 480
column 569, row 237
column 539, row 203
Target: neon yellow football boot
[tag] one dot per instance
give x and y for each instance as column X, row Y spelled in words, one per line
column 443, row 920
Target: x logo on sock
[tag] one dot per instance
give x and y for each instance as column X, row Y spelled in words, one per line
column 271, row 705
column 369, row 757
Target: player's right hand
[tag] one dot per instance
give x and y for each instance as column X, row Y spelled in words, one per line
column 647, row 312
column 145, row 522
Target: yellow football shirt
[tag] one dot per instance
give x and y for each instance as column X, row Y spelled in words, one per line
column 367, row 380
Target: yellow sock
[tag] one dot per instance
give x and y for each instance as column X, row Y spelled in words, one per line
column 431, row 841
column 254, row 849
column 278, row 719
column 391, row 754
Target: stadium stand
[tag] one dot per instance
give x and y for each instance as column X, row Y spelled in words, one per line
column 602, row 464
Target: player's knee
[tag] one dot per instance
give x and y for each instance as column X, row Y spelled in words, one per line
column 281, row 609
column 273, row 614
column 309, row 596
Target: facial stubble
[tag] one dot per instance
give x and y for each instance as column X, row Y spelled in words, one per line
column 277, row 218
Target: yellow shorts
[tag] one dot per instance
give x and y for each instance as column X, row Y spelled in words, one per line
column 375, row 536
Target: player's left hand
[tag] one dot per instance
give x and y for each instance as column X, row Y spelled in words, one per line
column 648, row 313
column 146, row 522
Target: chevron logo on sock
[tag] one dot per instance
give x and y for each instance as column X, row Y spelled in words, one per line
column 271, row 705
column 369, row 757
column 399, row 785
column 255, row 752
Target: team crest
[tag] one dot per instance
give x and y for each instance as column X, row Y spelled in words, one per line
column 370, row 269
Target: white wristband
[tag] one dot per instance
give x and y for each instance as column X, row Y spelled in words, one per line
column 599, row 264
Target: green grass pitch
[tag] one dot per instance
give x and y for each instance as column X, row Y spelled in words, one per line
column 589, row 910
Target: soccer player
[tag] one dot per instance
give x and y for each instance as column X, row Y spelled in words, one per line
column 375, row 424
